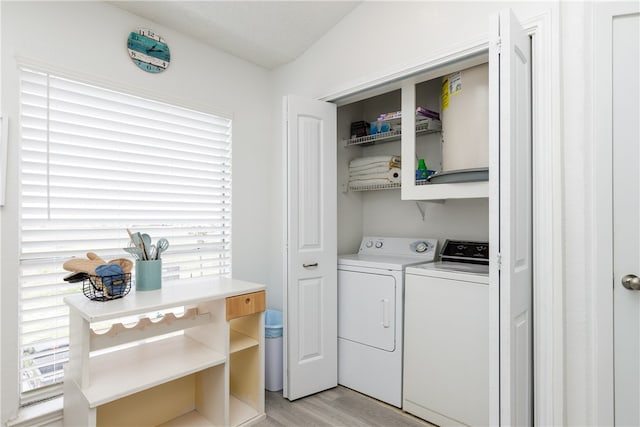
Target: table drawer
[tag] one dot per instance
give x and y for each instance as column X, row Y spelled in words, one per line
column 243, row 305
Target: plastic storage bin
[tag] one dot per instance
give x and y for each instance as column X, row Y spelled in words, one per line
column 273, row 350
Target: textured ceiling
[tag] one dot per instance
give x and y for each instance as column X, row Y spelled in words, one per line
column 267, row 33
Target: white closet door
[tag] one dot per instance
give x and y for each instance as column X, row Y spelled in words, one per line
column 311, row 242
column 511, row 221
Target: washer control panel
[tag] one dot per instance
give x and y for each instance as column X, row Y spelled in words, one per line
column 399, row 246
column 465, row 251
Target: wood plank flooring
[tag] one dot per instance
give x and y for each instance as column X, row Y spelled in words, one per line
column 337, row 407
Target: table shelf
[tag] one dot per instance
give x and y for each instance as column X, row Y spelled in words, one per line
column 239, row 341
column 121, row 373
column 190, row 419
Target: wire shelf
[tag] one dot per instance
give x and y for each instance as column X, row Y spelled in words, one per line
column 392, row 135
column 369, row 187
column 423, row 126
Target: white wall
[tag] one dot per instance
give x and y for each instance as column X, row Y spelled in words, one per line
column 88, row 40
column 381, row 37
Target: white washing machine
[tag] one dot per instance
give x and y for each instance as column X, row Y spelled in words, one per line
column 446, row 363
column 370, row 313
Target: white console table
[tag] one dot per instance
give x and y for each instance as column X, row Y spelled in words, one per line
column 210, row 374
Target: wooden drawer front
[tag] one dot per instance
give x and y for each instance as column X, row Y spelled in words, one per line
column 245, row 304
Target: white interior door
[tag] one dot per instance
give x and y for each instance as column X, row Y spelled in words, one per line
column 310, row 328
column 510, row 223
column 625, row 81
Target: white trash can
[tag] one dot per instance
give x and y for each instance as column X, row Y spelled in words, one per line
column 273, row 350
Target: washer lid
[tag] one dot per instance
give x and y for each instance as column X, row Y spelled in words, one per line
column 452, row 270
column 378, row 261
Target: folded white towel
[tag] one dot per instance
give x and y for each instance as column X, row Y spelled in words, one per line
column 375, row 166
column 370, row 176
column 380, row 170
column 363, row 161
column 391, row 176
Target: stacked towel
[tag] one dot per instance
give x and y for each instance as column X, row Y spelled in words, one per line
column 374, row 170
column 368, row 162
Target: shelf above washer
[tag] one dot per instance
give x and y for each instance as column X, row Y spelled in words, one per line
column 423, row 126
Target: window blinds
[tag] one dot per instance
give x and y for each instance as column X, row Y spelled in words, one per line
column 94, row 162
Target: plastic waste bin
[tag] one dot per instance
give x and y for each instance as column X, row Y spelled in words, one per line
column 273, row 350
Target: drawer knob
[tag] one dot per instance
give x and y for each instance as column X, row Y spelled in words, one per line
column 247, row 300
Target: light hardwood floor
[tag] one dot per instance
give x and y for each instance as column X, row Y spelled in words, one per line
column 339, row 407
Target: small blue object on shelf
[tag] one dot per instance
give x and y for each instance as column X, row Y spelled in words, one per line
column 108, row 272
column 379, row 127
column 423, row 174
column 106, row 287
column 422, row 171
column 113, row 279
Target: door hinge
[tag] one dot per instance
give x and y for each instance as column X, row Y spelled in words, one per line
column 499, row 261
column 499, row 45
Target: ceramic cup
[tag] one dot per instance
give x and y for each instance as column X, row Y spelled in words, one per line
column 148, row 275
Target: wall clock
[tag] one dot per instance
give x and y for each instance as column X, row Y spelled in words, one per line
column 148, row 51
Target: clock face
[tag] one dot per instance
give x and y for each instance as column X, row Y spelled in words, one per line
column 148, row 51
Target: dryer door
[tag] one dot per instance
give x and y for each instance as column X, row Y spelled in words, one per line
column 367, row 308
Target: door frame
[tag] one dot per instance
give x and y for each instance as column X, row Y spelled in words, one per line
column 548, row 246
column 602, row 207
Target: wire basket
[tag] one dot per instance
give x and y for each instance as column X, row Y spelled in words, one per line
column 106, row 288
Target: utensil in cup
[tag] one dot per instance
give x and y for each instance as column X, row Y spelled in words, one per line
column 161, row 246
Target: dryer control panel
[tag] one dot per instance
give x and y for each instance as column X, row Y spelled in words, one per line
column 399, row 246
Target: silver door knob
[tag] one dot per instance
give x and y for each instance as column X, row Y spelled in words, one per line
column 631, row 282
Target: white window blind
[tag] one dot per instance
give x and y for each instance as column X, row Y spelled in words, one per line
column 94, row 162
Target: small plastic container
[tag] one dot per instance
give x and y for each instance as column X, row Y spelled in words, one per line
column 273, row 350
column 421, row 172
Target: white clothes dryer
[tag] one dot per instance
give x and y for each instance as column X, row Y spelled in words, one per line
column 370, row 313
